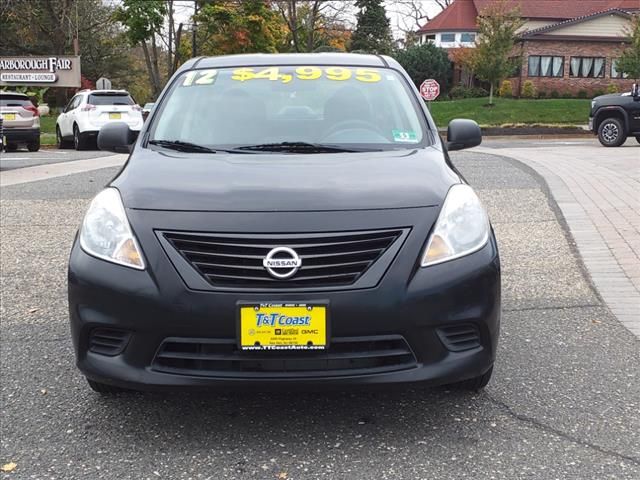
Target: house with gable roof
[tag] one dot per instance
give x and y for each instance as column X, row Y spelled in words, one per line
column 565, row 46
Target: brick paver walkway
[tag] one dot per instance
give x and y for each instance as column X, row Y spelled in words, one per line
column 598, row 192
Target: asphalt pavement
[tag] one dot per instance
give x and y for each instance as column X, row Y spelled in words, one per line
column 45, row 156
column 564, row 402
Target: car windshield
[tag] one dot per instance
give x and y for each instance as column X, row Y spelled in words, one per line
column 268, row 108
column 110, row 99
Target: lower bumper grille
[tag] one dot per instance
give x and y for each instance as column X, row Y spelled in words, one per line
column 460, row 337
column 108, row 341
column 345, row 356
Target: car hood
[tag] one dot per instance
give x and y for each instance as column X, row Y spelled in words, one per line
column 160, row 180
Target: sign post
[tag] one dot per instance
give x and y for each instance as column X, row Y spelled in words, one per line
column 429, row 90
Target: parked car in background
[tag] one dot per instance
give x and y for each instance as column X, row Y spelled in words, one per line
column 616, row 117
column 89, row 110
column 146, row 110
column 20, row 121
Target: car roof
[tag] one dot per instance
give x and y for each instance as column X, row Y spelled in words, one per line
column 89, row 92
column 265, row 59
column 19, row 94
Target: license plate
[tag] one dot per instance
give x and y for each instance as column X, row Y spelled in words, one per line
column 8, row 116
column 289, row 326
column 115, row 116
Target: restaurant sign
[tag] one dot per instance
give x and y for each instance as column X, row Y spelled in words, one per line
column 53, row 71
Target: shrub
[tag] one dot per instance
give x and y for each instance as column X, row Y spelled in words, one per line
column 555, row 94
column 597, row 93
column 567, row 95
column 583, row 94
column 506, row 90
column 613, row 88
column 467, row 92
column 529, row 89
column 542, row 94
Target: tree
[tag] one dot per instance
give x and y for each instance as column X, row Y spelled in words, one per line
column 64, row 27
column 143, row 20
column 629, row 61
column 410, row 14
column 241, row 26
column 372, row 33
column 492, row 60
column 425, row 61
column 315, row 24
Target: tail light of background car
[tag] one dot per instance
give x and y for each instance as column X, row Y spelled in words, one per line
column 32, row 109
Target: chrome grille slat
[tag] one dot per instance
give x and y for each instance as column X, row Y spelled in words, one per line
column 328, row 259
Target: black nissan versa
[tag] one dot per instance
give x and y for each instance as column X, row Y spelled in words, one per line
column 286, row 220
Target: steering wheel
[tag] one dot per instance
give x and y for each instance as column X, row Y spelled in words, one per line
column 353, row 125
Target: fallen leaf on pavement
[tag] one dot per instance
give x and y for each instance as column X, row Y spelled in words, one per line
column 8, row 467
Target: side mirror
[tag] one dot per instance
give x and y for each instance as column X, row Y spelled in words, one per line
column 463, row 134
column 116, row 137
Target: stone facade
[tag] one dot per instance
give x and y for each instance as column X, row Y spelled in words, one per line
column 567, row 49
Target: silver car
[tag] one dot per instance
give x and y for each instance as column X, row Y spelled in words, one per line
column 20, row 121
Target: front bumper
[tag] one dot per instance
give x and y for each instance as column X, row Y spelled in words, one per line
column 154, row 306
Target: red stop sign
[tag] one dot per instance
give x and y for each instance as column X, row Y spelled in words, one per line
column 430, row 89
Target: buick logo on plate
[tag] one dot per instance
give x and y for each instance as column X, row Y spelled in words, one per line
column 282, row 262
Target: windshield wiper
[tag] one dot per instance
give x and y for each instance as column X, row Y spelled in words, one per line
column 181, row 146
column 301, row 147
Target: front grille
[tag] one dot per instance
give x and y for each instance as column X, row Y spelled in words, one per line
column 460, row 337
column 334, row 259
column 345, row 356
column 108, row 341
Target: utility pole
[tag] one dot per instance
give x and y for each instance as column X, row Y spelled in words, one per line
column 194, row 28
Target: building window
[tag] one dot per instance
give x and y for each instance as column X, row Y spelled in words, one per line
column 447, row 37
column 587, row 67
column 615, row 73
column 429, row 38
column 468, row 37
column 546, row 66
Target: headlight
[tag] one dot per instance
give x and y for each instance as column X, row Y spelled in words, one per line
column 106, row 234
column 462, row 227
column 593, row 104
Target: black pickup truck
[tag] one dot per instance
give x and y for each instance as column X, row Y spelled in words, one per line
column 615, row 117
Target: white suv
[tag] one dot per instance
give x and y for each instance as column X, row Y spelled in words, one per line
column 89, row 110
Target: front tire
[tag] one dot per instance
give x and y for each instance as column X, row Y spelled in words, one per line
column 60, row 142
column 103, row 388
column 611, row 132
column 79, row 141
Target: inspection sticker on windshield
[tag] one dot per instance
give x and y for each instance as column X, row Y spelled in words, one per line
column 404, row 136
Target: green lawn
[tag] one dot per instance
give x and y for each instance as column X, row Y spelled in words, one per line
column 48, row 124
column 512, row 112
